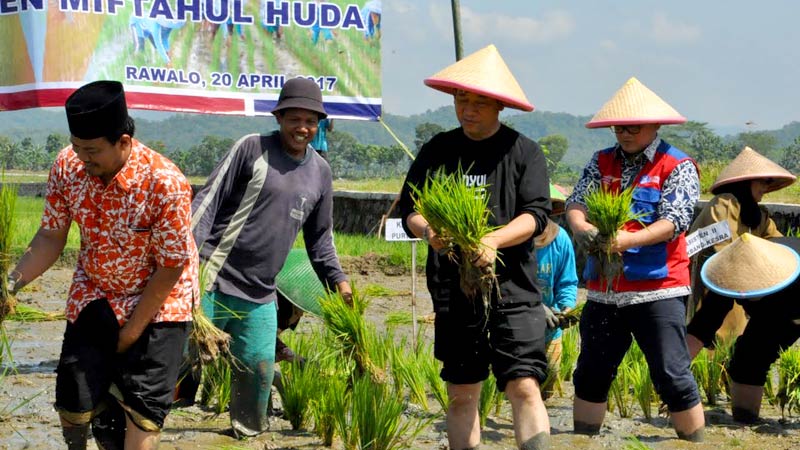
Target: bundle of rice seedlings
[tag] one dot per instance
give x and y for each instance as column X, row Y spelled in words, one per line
column 207, row 343
column 609, row 211
column 26, row 313
column 570, row 348
column 377, row 417
column 8, row 201
column 355, row 338
column 215, row 389
column 788, row 394
column 459, row 215
column 332, row 396
column 573, row 316
column 300, row 386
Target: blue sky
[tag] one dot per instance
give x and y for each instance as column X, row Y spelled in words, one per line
column 725, row 63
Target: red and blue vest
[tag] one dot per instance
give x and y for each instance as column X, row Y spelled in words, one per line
column 658, row 266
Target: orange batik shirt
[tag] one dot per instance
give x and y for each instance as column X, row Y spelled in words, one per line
column 140, row 221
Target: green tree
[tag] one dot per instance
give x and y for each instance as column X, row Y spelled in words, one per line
column 424, row 132
column 54, row 143
column 555, row 146
column 7, row 151
column 791, row 157
column 202, row 158
column 760, row 141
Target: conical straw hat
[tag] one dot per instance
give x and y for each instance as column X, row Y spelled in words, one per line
column 635, row 104
column 751, row 165
column 483, row 72
column 751, row 267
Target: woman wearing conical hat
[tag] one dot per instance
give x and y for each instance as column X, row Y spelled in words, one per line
column 646, row 301
column 737, row 191
column 761, row 276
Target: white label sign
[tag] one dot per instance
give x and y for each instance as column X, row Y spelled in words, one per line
column 707, row 236
column 395, row 231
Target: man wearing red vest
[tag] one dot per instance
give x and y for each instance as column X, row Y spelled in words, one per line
column 647, row 300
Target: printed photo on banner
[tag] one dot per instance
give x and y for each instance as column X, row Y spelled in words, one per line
column 215, row 56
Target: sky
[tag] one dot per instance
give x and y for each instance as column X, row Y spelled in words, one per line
column 732, row 64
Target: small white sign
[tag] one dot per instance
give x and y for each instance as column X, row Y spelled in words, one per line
column 707, row 236
column 395, row 231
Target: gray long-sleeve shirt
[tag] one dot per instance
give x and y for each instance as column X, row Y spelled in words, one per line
column 249, row 213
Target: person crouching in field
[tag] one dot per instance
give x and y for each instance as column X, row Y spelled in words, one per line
column 737, row 192
column 762, row 276
column 130, row 302
column 645, row 301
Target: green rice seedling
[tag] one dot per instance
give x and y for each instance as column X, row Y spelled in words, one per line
column 354, row 337
column 769, row 385
column 395, row 318
column 377, row 416
column 8, row 200
column 793, row 232
column 573, row 316
column 487, row 398
column 405, row 366
column 207, row 343
column 788, row 394
column 621, row 394
column 633, row 443
column 709, row 369
column 642, row 386
column 300, row 386
column 26, row 313
column 331, row 396
column 431, row 368
column 459, row 215
column 376, row 290
column 570, row 348
column 215, row 389
column 609, row 211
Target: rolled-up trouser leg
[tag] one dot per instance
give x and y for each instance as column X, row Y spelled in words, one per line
column 108, row 427
column 253, row 345
column 76, row 436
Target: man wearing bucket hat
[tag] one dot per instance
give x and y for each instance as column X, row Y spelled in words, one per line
column 646, row 301
column 762, row 276
column 129, row 306
column 558, row 281
column 737, row 191
column 246, row 218
column 509, row 335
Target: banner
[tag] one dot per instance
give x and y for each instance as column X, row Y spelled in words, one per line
column 206, row 56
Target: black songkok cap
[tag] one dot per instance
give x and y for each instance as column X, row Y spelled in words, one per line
column 96, row 110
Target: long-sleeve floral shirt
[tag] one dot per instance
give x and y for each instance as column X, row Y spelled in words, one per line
column 140, row 221
column 679, row 194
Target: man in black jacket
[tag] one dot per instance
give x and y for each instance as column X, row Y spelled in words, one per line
column 510, row 170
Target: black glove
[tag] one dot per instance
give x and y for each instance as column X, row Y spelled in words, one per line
column 585, row 240
column 551, row 317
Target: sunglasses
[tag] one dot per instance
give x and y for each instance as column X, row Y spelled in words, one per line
column 631, row 129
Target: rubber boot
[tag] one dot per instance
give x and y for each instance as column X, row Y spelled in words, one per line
column 108, row 427
column 250, row 393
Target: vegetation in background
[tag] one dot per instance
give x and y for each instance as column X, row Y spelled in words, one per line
column 788, row 394
column 8, row 200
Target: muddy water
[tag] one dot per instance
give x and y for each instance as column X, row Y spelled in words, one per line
column 34, row 424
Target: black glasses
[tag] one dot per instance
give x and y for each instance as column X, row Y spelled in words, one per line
column 631, row 129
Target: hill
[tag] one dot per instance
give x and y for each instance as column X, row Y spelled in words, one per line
column 182, row 131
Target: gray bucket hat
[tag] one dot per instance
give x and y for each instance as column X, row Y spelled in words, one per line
column 301, row 93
